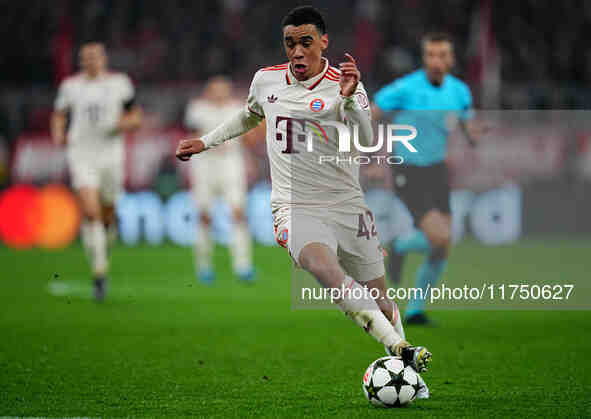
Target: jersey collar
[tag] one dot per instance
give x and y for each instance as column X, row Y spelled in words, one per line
column 310, row 83
column 99, row 77
column 445, row 77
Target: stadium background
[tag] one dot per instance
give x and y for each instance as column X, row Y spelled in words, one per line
column 525, row 188
column 510, row 64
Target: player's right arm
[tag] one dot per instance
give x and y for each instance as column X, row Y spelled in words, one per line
column 473, row 132
column 235, row 126
column 59, row 115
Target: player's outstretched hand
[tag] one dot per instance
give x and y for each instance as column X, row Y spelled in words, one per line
column 187, row 148
column 350, row 75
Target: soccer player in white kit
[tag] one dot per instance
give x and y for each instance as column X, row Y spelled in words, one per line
column 101, row 107
column 220, row 173
column 319, row 208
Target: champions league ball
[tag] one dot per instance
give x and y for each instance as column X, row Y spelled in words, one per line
column 388, row 383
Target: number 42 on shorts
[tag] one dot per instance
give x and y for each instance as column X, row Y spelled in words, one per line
column 362, row 229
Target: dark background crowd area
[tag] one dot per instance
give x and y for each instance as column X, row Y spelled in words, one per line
column 544, row 58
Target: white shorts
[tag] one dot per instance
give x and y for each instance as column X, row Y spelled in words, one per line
column 348, row 230
column 219, row 175
column 104, row 171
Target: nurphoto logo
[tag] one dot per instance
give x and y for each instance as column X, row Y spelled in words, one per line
column 290, row 130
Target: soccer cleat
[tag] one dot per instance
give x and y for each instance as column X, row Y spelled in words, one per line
column 206, row 276
column 417, row 357
column 419, row 319
column 247, row 277
column 395, row 263
column 100, row 287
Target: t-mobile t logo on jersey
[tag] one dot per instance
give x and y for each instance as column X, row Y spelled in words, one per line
column 308, row 129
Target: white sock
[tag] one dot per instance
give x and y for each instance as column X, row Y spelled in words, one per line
column 204, row 248
column 98, row 245
column 397, row 321
column 240, row 248
column 365, row 312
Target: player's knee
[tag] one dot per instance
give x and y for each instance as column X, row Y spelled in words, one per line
column 238, row 215
column 92, row 213
column 92, row 216
column 205, row 219
column 108, row 214
column 90, row 206
column 322, row 269
column 437, row 229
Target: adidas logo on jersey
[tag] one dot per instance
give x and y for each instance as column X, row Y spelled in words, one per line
column 271, row 99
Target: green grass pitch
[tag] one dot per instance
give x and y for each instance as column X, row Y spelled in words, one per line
column 163, row 345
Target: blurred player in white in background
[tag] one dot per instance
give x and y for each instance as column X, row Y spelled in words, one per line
column 101, row 107
column 220, row 173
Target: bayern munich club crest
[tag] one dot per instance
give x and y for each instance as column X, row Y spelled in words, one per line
column 317, row 105
column 362, row 100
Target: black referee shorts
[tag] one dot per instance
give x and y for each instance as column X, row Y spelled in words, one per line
column 423, row 188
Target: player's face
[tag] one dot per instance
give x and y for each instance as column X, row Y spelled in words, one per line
column 438, row 59
column 93, row 59
column 219, row 90
column 304, row 46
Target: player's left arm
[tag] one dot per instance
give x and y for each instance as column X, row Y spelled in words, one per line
column 355, row 101
column 472, row 130
column 132, row 115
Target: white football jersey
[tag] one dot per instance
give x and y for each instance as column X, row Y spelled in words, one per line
column 204, row 116
column 95, row 107
column 293, row 109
